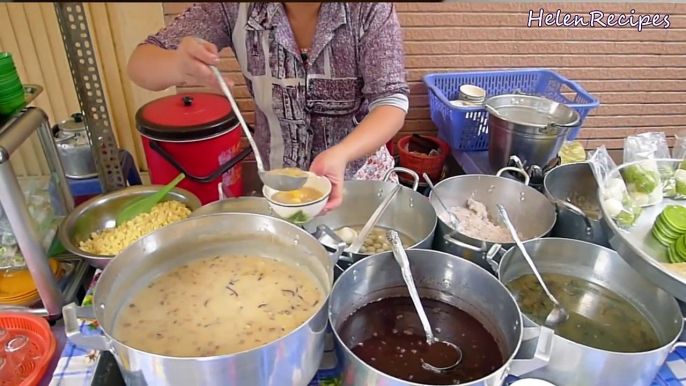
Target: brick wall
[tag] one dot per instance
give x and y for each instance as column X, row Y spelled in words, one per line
column 639, row 77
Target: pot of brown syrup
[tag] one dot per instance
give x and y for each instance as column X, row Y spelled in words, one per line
column 380, row 339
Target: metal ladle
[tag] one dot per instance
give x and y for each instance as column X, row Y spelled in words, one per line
column 275, row 179
column 558, row 314
column 451, row 215
column 401, row 257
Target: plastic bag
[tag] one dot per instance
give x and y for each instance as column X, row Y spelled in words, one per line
column 679, row 153
column 616, row 198
column 42, row 210
column 647, row 181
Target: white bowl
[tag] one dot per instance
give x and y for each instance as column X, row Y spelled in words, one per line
column 301, row 213
column 531, row 382
column 472, row 93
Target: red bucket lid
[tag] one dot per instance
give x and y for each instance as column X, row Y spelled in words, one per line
column 186, row 117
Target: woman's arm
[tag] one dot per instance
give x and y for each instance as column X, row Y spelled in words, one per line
column 382, row 64
column 159, row 62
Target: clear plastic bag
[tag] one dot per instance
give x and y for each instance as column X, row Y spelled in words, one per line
column 679, row 153
column 616, row 198
column 647, row 181
column 42, row 210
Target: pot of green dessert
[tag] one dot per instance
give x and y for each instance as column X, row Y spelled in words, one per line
column 621, row 327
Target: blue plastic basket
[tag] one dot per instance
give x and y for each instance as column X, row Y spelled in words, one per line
column 466, row 128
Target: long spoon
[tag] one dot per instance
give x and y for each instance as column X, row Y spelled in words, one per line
column 558, row 314
column 451, row 215
column 404, row 263
column 278, row 179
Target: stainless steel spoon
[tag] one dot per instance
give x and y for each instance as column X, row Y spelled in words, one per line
column 558, row 314
column 453, row 219
column 275, row 179
column 401, row 257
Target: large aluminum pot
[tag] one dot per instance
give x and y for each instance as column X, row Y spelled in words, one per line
column 291, row 360
column 531, row 212
column 575, row 182
column 101, row 212
column 572, row 363
column 409, row 212
column 530, row 127
column 443, row 277
column 254, row 205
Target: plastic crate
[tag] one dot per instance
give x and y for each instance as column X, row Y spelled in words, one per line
column 466, row 128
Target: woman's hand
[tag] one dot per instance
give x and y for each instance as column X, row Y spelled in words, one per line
column 331, row 164
column 193, row 56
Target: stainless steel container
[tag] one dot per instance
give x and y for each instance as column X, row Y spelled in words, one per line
column 530, row 127
column 100, row 213
column 409, row 212
column 442, row 277
column 291, row 360
column 254, row 205
column 575, row 364
column 575, row 182
column 530, row 211
column 74, row 148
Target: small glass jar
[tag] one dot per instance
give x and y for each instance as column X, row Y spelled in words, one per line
column 19, row 357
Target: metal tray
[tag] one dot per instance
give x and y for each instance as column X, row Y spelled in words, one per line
column 638, row 247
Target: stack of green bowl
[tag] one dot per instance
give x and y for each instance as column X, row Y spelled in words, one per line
column 669, row 230
column 11, row 88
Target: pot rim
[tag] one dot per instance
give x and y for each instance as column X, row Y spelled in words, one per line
column 575, row 123
column 507, row 361
column 671, row 343
column 323, row 306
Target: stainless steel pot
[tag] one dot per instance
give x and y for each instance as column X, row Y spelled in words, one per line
column 530, row 127
column 576, row 182
column 254, row 205
column 409, row 212
column 74, row 148
column 442, row 277
column 572, row 363
column 531, row 212
column 100, row 212
column 291, row 360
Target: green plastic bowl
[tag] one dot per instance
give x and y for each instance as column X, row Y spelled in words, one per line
column 10, row 92
column 9, row 78
column 11, row 107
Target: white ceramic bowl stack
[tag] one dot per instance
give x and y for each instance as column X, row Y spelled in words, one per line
column 470, row 96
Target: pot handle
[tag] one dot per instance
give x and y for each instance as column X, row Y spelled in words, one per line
column 223, row 168
column 516, row 170
column 340, row 244
column 541, row 357
column 414, row 175
column 462, row 244
column 70, row 313
column 491, row 254
column 575, row 209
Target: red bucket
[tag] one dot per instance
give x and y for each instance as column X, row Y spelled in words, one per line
column 194, row 134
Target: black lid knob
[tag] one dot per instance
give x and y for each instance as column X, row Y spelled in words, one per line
column 77, row 117
column 187, row 101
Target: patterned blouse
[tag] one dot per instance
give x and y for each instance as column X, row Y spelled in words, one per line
column 307, row 103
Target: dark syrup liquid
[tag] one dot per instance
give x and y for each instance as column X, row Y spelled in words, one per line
column 388, row 336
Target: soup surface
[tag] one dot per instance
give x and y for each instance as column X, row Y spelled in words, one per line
column 388, row 336
column 218, row 306
column 303, row 195
column 291, row 172
column 598, row 317
column 376, row 240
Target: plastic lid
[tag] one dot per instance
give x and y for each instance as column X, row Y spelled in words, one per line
column 186, row 117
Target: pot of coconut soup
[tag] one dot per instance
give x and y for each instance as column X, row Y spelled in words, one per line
column 230, row 298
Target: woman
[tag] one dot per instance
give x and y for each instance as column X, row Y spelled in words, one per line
column 314, row 70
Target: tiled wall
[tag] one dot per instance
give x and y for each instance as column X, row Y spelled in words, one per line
column 639, row 77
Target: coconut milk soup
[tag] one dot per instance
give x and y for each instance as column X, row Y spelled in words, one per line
column 218, row 306
column 598, row 317
column 388, row 336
